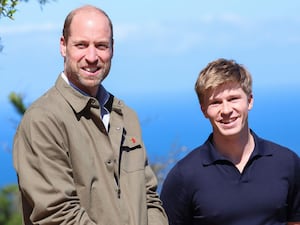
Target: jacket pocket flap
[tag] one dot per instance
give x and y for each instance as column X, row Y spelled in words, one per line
column 131, row 143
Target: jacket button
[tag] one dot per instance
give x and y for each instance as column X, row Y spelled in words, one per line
column 110, row 164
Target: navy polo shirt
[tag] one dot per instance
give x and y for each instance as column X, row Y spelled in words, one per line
column 205, row 188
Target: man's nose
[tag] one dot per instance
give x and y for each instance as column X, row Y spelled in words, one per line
column 226, row 108
column 91, row 55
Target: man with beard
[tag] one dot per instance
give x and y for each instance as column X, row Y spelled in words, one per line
column 78, row 150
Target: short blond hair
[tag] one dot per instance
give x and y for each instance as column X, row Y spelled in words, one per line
column 219, row 72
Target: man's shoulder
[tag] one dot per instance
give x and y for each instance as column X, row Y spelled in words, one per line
column 45, row 101
column 121, row 107
column 194, row 158
column 273, row 147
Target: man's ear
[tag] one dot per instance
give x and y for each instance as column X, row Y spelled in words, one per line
column 112, row 47
column 250, row 101
column 63, row 46
column 204, row 110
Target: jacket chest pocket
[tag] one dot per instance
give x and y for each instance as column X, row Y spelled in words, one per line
column 132, row 155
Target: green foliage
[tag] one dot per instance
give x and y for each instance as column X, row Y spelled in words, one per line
column 17, row 102
column 8, row 8
column 9, row 206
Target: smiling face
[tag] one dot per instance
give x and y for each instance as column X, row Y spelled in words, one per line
column 88, row 50
column 227, row 106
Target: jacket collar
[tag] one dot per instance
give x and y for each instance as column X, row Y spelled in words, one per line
column 80, row 101
column 75, row 99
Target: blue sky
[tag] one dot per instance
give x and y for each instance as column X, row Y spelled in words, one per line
column 160, row 47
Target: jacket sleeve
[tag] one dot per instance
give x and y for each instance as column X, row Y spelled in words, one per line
column 156, row 213
column 44, row 172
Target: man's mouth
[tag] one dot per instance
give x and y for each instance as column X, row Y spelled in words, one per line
column 91, row 69
column 228, row 121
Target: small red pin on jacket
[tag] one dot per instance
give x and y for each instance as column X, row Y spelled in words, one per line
column 133, row 140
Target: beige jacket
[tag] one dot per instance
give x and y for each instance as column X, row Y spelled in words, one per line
column 71, row 171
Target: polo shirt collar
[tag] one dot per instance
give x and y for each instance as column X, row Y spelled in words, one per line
column 260, row 149
column 210, row 155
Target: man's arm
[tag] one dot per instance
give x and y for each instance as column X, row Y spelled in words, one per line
column 295, row 197
column 174, row 199
column 156, row 213
column 45, row 173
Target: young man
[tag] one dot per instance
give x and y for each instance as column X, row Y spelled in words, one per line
column 78, row 151
column 235, row 177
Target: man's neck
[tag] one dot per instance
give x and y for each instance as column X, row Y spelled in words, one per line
column 236, row 148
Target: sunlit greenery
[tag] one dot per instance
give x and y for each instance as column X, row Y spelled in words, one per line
column 10, row 206
column 9, row 7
